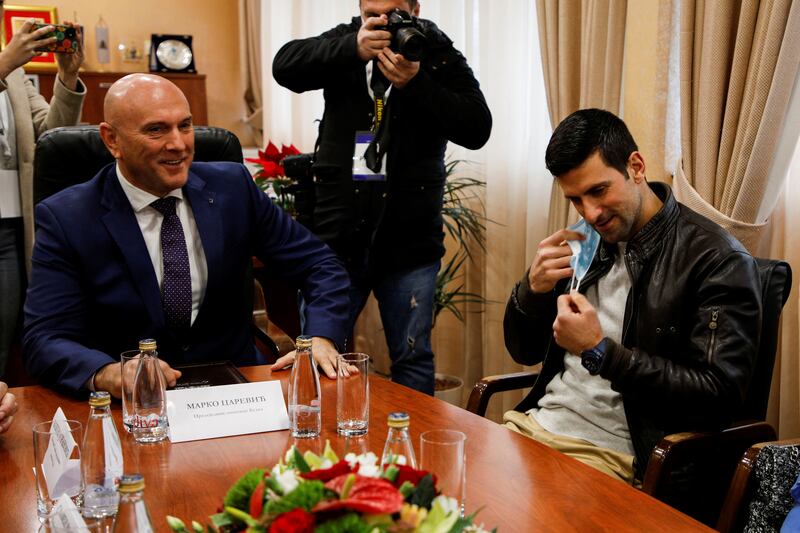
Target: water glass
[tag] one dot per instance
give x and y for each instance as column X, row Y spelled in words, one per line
column 443, row 452
column 70, row 481
column 129, row 362
column 352, row 394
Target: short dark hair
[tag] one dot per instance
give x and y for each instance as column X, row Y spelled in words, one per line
column 585, row 132
column 411, row 3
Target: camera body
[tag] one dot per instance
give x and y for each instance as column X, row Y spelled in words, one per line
column 300, row 169
column 407, row 39
column 66, row 39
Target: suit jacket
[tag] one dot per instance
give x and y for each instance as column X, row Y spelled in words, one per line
column 93, row 291
column 32, row 117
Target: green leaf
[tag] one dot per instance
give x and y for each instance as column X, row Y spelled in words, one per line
column 390, row 473
column 424, row 493
column 349, row 523
column 176, row 524
column 406, row 489
column 239, row 494
column 221, row 520
column 329, row 453
column 242, row 516
column 300, row 463
column 306, row 495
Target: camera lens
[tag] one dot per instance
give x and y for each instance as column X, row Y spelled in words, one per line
column 411, row 44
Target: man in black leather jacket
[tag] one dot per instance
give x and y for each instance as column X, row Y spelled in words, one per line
column 389, row 233
column 663, row 333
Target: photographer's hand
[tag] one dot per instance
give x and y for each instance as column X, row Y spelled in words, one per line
column 22, row 47
column 68, row 64
column 370, row 40
column 397, row 69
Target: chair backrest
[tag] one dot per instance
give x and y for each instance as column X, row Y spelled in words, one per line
column 759, row 496
column 71, row 155
column 776, row 284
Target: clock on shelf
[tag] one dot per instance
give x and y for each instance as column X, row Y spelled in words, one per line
column 171, row 53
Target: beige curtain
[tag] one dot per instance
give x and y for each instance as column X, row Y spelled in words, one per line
column 253, row 96
column 582, row 44
column 784, row 403
column 738, row 64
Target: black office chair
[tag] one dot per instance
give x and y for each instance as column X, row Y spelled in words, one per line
column 691, row 471
column 72, row 155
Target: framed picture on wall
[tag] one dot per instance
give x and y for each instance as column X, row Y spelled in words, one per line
column 14, row 16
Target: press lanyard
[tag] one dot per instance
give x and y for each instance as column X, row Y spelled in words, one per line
column 379, row 89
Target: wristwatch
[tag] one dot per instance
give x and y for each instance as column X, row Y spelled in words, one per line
column 592, row 359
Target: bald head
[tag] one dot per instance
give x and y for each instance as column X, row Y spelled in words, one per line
column 135, row 93
column 148, row 129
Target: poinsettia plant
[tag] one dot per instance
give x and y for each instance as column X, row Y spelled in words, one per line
column 271, row 177
column 309, row 493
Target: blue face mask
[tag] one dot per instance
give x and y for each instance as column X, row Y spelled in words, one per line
column 582, row 251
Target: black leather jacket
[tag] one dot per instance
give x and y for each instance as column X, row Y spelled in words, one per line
column 690, row 333
column 399, row 222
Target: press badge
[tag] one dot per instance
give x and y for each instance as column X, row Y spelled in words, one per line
column 360, row 170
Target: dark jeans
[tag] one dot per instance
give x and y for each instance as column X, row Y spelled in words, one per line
column 11, row 284
column 405, row 300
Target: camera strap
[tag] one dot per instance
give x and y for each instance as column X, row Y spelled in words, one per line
column 374, row 153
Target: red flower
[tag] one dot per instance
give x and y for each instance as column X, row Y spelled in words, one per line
column 295, row 521
column 406, row 473
column 327, row 474
column 367, row 495
column 257, row 500
column 270, row 160
column 289, row 150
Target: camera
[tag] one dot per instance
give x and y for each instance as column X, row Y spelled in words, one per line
column 300, row 169
column 66, row 39
column 407, row 39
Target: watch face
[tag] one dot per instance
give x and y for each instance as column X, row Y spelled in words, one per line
column 174, row 54
column 592, row 360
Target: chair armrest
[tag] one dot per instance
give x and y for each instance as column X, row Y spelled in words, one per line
column 265, row 344
column 487, row 386
column 681, row 447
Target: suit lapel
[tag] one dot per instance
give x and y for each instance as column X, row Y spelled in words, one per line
column 209, row 224
column 120, row 220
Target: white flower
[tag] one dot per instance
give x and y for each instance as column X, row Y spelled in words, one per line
column 286, row 480
column 367, row 464
column 448, row 505
column 326, row 463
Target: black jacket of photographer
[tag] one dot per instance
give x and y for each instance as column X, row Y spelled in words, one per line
column 690, row 333
column 397, row 224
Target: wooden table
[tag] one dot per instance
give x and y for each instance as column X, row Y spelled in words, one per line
column 520, row 484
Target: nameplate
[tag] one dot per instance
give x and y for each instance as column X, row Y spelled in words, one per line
column 211, row 412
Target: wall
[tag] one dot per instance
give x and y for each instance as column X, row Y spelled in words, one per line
column 214, row 24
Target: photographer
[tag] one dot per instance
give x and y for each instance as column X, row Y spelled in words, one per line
column 24, row 115
column 381, row 210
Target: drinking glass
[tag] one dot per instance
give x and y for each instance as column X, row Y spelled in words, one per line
column 443, row 452
column 129, row 362
column 352, row 394
column 45, row 436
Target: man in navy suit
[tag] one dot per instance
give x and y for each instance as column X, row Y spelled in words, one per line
column 156, row 246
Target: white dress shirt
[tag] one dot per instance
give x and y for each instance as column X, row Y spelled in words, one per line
column 149, row 219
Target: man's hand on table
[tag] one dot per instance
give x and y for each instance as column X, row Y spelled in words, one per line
column 109, row 378
column 8, row 407
column 325, row 354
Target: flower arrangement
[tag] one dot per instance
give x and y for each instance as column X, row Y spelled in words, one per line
column 308, row 493
column 271, row 177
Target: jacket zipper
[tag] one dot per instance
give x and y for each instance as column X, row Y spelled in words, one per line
column 712, row 325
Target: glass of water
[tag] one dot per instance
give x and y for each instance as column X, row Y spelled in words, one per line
column 352, row 394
